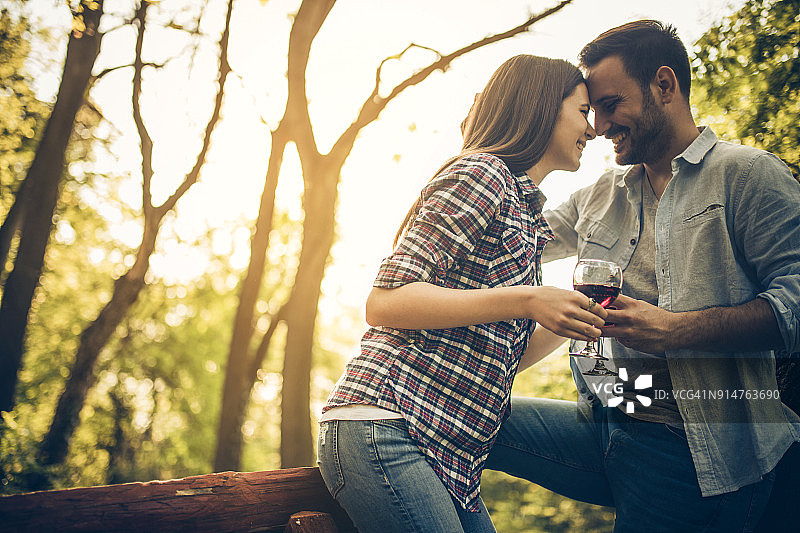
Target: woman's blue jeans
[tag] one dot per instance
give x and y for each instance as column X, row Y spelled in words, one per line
column 382, row 479
column 602, row 456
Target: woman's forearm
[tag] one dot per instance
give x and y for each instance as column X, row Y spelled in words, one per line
column 421, row 305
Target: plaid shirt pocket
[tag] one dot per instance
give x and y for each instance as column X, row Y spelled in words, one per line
column 515, row 261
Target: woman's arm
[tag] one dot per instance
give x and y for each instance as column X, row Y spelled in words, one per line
column 422, row 305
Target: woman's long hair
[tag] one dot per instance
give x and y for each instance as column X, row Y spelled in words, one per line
column 514, row 116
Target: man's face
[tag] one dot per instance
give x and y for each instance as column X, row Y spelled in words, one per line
column 639, row 128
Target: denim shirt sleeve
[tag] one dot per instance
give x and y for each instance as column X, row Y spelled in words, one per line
column 767, row 233
column 562, row 222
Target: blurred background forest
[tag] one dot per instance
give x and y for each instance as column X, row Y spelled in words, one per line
column 195, row 197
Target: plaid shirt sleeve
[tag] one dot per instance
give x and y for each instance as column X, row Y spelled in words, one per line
column 457, row 207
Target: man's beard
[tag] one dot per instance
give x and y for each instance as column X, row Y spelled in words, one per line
column 651, row 136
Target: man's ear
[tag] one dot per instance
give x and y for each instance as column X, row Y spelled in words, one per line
column 666, row 84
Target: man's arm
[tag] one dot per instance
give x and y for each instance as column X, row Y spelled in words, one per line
column 543, row 342
column 644, row 327
column 562, row 221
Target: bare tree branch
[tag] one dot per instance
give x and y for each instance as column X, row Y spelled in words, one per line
column 109, row 70
column 263, row 346
column 375, row 103
column 224, row 70
column 126, row 288
column 307, row 24
column 399, row 56
column 146, row 142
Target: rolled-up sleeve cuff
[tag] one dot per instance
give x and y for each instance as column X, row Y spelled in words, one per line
column 400, row 269
column 787, row 322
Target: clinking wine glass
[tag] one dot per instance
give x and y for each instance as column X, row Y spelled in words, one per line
column 601, row 281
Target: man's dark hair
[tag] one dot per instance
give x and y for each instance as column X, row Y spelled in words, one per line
column 644, row 46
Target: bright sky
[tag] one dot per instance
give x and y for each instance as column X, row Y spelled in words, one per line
column 393, row 157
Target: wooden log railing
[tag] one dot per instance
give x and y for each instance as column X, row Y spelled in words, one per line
column 288, row 500
column 292, row 500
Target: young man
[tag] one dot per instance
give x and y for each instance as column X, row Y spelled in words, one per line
column 708, row 235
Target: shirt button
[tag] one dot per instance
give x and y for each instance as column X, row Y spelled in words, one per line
column 583, row 389
column 633, row 241
column 590, row 397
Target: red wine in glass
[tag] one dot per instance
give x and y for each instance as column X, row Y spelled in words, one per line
column 602, row 294
column 601, row 281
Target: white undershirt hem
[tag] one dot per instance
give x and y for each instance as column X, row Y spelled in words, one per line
column 359, row 412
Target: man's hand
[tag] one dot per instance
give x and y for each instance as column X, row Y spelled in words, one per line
column 751, row 326
column 639, row 325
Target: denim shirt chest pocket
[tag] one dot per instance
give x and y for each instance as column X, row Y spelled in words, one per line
column 595, row 240
column 701, row 212
column 707, row 258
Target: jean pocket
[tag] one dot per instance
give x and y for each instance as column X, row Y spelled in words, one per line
column 328, row 457
column 396, row 423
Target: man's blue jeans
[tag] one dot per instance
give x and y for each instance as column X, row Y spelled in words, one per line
column 602, row 456
column 382, row 479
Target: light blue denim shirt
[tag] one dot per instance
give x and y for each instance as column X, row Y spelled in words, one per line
column 727, row 232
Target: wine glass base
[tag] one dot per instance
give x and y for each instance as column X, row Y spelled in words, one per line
column 589, row 356
column 601, row 372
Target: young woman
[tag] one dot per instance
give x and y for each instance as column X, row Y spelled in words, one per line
column 406, row 430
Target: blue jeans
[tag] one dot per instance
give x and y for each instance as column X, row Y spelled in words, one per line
column 382, row 479
column 602, row 456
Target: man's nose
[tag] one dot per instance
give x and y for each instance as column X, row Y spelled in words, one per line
column 601, row 123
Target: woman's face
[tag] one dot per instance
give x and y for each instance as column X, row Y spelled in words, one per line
column 571, row 132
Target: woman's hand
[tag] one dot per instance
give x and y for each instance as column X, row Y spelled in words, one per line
column 567, row 313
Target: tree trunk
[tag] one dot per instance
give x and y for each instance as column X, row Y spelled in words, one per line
column 93, row 339
column 43, row 180
column 318, row 233
column 295, row 125
column 127, row 288
column 120, row 449
column 11, row 225
column 238, row 381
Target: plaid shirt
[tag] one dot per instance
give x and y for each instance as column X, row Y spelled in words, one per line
column 478, row 226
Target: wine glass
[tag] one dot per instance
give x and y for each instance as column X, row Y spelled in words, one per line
column 601, row 281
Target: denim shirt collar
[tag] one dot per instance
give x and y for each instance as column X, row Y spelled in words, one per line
column 632, row 176
column 696, row 151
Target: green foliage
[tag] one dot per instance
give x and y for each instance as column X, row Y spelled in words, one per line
column 153, row 412
column 517, row 505
column 747, row 72
column 22, row 115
